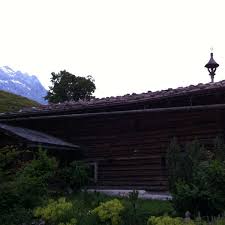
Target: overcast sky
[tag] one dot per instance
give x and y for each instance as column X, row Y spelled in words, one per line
column 126, row 45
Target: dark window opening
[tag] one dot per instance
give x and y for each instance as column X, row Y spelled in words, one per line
column 163, row 162
column 93, row 171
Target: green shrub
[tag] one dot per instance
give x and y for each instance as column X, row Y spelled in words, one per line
column 9, row 163
column 56, row 212
column 75, row 175
column 219, row 221
column 164, row 220
column 183, row 161
column 132, row 209
column 218, row 152
column 110, row 212
column 197, row 178
column 136, row 210
column 205, row 193
column 24, row 184
column 32, row 181
column 16, row 216
column 71, row 222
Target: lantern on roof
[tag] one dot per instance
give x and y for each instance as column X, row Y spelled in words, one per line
column 212, row 66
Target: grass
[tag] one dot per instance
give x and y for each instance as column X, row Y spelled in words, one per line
column 143, row 208
column 155, row 207
column 10, row 102
column 149, row 207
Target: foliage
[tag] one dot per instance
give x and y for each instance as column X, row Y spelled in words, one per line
column 218, row 152
column 75, row 175
column 197, row 178
column 74, row 210
column 165, row 220
column 9, row 161
column 133, row 199
column 24, row 185
column 133, row 214
column 57, row 212
column 32, row 182
column 184, row 161
column 67, row 87
column 83, row 203
column 219, row 221
column 10, row 102
column 155, row 207
column 16, row 216
column 144, row 208
column 205, row 193
column 71, row 222
column 110, row 212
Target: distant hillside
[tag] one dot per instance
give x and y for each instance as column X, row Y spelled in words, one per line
column 22, row 84
column 12, row 102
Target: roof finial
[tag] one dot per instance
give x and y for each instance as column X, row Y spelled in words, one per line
column 212, row 66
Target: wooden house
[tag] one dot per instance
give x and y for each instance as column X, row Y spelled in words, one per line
column 124, row 139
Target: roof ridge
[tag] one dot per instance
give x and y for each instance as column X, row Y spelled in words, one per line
column 127, row 98
column 107, row 98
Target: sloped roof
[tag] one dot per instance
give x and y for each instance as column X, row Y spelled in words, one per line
column 34, row 136
column 130, row 98
column 126, row 99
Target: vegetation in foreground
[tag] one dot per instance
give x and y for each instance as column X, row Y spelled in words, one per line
column 28, row 194
column 10, row 102
column 197, row 177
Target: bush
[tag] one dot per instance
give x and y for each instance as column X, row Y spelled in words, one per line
column 71, row 222
column 32, row 182
column 197, row 178
column 131, row 215
column 10, row 162
column 183, row 161
column 206, row 193
column 75, row 175
column 67, row 212
column 219, row 221
column 24, row 185
column 164, row 220
column 16, row 216
column 137, row 211
column 56, row 212
column 110, row 212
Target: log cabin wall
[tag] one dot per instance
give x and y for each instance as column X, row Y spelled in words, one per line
column 129, row 150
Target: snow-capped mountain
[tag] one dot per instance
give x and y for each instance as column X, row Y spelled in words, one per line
column 22, row 84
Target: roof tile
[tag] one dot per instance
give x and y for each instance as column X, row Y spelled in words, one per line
column 126, row 99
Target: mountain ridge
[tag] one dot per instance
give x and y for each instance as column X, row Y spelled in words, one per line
column 22, row 84
column 10, row 102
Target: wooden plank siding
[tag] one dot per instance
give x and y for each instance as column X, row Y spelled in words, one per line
column 130, row 149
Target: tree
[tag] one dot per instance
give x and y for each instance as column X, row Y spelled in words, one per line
column 67, row 87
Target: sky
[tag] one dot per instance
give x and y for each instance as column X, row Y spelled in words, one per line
column 128, row 46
